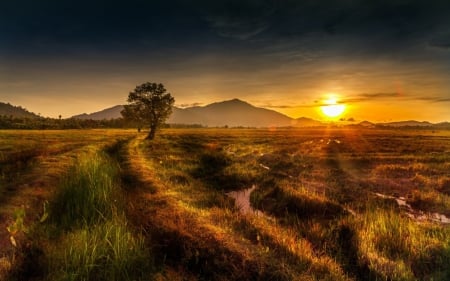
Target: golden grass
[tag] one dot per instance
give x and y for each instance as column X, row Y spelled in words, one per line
column 322, row 220
column 401, row 249
column 186, row 214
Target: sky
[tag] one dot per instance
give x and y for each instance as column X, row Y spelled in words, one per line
column 385, row 60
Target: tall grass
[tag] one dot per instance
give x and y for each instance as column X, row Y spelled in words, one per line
column 87, row 193
column 399, row 248
column 97, row 243
column 178, row 197
column 107, row 251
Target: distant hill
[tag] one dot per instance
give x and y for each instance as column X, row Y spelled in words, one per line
column 15, row 111
column 231, row 113
column 235, row 113
column 442, row 125
column 109, row 113
column 409, row 123
column 366, row 124
column 306, row 122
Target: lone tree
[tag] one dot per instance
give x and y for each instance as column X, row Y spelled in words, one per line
column 149, row 104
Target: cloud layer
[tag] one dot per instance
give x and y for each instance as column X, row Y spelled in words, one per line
column 280, row 54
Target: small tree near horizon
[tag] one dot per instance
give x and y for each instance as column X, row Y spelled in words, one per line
column 149, row 104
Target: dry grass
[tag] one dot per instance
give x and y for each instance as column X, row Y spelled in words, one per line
column 316, row 187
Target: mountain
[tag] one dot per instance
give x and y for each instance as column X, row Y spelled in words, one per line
column 231, row 113
column 109, row 113
column 409, row 123
column 367, row 124
column 442, row 125
column 235, row 113
column 306, row 122
column 15, row 111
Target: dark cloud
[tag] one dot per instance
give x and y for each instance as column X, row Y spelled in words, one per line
column 288, row 106
column 233, row 47
column 435, row 99
column 379, row 95
column 399, row 96
column 334, row 27
column 61, row 27
column 441, row 40
column 184, row 105
column 365, row 26
column 281, row 106
column 239, row 19
column 363, row 97
column 371, row 97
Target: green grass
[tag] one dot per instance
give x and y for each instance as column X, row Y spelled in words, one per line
column 401, row 249
column 196, row 214
column 104, row 251
column 95, row 241
column 88, row 193
column 309, row 188
column 143, row 210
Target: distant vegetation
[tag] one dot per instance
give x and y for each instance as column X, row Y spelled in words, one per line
column 230, row 114
column 16, row 117
column 11, row 122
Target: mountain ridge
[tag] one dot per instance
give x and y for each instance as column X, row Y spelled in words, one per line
column 7, row 109
column 232, row 113
column 107, row 113
column 410, row 123
column 213, row 115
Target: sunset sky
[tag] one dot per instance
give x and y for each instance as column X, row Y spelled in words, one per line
column 386, row 60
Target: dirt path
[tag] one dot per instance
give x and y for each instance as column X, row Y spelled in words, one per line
column 195, row 244
column 179, row 239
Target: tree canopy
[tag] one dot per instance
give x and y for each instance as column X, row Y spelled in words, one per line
column 149, row 105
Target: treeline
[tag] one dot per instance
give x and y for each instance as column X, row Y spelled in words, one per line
column 41, row 123
column 11, row 122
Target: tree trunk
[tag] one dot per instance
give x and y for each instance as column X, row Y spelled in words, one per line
column 151, row 134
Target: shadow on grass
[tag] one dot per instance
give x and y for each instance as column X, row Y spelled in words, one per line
column 203, row 254
column 129, row 178
column 277, row 202
column 12, row 170
column 258, row 236
column 212, row 170
column 32, row 263
column 347, row 255
column 191, row 144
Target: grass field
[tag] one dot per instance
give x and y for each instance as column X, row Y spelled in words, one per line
column 325, row 204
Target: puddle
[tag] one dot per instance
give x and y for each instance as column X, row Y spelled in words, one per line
column 416, row 214
column 242, row 199
column 350, row 211
column 440, row 217
column 264, row 166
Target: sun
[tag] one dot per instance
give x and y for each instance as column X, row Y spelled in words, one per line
column 332, row 108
